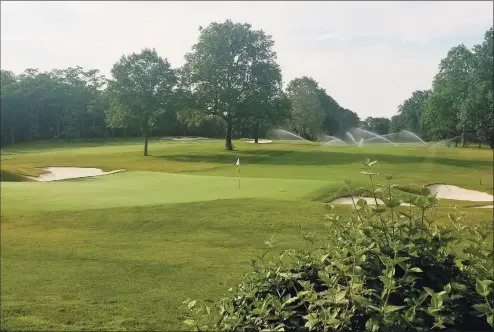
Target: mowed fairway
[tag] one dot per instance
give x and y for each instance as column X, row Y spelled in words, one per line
column 122, row 251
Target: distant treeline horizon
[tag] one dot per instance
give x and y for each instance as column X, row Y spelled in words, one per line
column 231, row 86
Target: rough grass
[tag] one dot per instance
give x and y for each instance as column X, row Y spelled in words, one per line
column 9, row 176
column 121, row 252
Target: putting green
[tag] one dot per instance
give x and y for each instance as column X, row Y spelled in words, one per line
column 146, row 188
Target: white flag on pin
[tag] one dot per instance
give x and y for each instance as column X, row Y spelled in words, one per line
column 238, row 161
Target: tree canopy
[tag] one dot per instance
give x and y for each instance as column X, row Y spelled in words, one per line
column 232, row 74
column 141, row 89
column 460, row 102
column 231, row 86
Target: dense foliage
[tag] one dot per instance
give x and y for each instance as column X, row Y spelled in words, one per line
column 230, row 86
column 383, row 268
column 141, row 90
column 461, row 102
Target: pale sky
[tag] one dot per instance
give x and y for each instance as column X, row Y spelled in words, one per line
column 369, row 56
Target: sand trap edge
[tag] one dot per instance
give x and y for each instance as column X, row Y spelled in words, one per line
column 47, row 170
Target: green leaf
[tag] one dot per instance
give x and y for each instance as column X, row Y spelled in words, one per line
column 410, row 314
column 340, row 296
column 415, row 269
column 437, row 301
column 291, row 300
column 361, row 202
column 490, row 319
column 429, row 291
column 482, row 287
column 458, row 286
column 362, row 300
column 191, row 304
column 368, row 173
column 392, row 308
column 447, row 288
column 189, row 322
column 324, row 257
column 483, row 308
column 385, row 280
column 425, row 191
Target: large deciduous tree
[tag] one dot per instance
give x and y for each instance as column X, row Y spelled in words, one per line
column 232, row 74
column 265, row 103
column 379, row 126
column 477, row 108
column 141, row 89
column 409, row 113
column 443, row 112
column 308, row 113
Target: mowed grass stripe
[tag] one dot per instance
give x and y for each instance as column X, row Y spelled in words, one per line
column 130, row 268
column 146, row 188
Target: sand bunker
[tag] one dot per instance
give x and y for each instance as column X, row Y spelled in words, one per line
column 348, row 200
column 188, row 138
column 447, row 191
column 262, row 141
column 63, row 173
column 484, row 207
column 444, row 191
column 370, row 201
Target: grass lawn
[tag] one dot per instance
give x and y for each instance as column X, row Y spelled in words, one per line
column 121, row 252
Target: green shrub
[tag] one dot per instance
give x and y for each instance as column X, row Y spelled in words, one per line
column 383, row 268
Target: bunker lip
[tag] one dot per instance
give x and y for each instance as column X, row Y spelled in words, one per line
column 262, row 141
column 370, row 201
column 444, row 191
column 55, row 173
column 448, row 191
column 186, row 138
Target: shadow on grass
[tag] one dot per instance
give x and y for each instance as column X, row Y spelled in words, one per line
column 317, row 158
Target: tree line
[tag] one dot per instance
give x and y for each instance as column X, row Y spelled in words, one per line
column 230, row 86
column 461, row 101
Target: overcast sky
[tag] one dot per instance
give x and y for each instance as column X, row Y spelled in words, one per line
column 369, row 56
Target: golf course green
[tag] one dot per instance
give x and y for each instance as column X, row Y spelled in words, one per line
column 122, row 251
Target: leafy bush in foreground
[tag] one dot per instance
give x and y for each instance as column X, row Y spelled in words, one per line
column 385, row 268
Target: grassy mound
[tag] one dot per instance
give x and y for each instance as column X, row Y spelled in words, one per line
column 7, row 176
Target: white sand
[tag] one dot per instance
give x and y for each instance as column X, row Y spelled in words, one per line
column 262, row 141
column 188, row 138
column 447, row 191
column 348, row 200
column 444, row 191
column 370, row 201
column 63, row 173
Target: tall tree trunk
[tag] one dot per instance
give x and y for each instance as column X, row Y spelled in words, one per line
column 480, row 144
column 228, row 138
column 256, row 133
column 146, row 143
column 463, row 140
column 145, row 133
